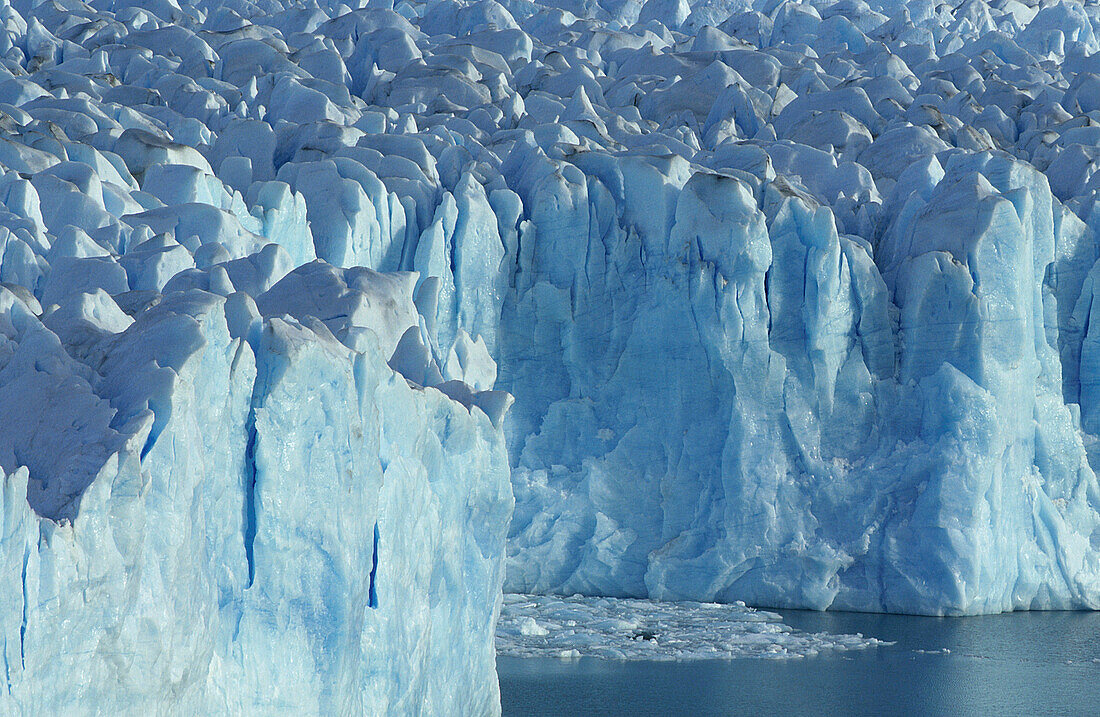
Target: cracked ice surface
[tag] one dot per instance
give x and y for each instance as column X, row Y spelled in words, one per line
column 629, row 629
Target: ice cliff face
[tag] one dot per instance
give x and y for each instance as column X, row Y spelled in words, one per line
column 795, row 301
column 239, row 514
column 815, row 429
column 827, row 345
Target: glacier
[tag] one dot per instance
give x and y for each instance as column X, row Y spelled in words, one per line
column 269, row 521
column 325, row 321
column 824, row 344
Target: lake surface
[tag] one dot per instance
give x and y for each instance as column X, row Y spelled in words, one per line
column 1016, row 664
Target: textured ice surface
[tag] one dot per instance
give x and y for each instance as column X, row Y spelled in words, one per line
column 795, row 301
column 631, row 629
column 821, row 337
column 268, row 524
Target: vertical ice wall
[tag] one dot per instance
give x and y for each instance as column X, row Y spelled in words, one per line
column 237, row 479
column 266, row 519
column 746, row 407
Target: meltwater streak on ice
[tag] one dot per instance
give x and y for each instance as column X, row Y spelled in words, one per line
column 625, row 629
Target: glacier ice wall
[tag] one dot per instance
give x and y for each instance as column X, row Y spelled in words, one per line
column 813, row 431
column 269, row 522
column 237, row 479
column 795, row 301
column 826, row 345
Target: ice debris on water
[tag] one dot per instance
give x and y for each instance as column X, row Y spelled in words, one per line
column 632, row 629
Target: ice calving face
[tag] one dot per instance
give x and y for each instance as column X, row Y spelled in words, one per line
column 794, row 301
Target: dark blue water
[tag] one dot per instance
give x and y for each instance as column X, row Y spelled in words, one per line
column 1018, row 664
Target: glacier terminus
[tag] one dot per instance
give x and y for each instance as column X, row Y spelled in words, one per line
column 328, row 328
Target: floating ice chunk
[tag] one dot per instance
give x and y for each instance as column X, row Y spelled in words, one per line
column 529, row 627
column 781, row 289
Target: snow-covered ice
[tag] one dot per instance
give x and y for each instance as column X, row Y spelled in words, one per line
column 632, row 629
column 788, row 303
